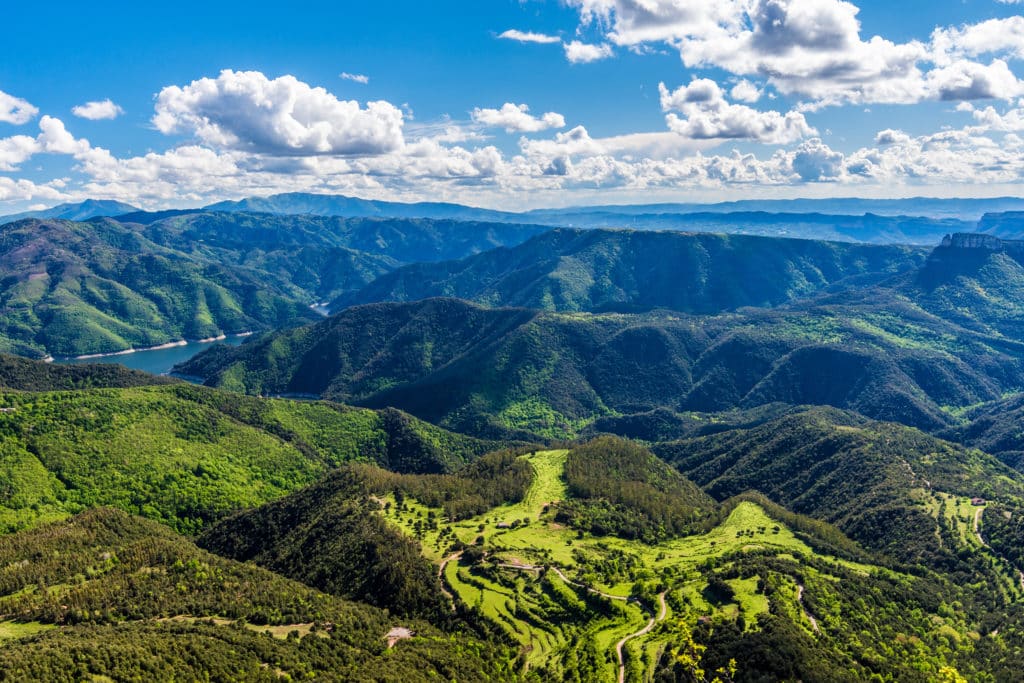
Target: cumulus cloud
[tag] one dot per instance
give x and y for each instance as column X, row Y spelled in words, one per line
column 15, row 150
column 516, row 118
column 584, row 53
column 964, row 80
column 281, row 116
column 812, row 49
column 529, row 37
column 814, row 161
column 362, row 79
column 53, row 138
column 745, row 91
column 708, row 116
column 994, row 36
column 890, row 136
column 97, row 111
column 15, row 110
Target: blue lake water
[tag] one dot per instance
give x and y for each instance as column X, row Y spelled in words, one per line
column 157, row 361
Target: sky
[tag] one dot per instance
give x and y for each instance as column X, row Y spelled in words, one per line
column 510, row 104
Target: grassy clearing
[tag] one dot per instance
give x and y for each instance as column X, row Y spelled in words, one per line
column 514, row 589
column 11, row 630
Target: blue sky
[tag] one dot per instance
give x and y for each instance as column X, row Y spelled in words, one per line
column 512, row 104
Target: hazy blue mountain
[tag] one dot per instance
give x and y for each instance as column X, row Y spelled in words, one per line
column 340, row 205
column 868, row 228
column 960, row 208
column 1005, row 225
column 82, row 211
column 969, row 210
column 630, row 270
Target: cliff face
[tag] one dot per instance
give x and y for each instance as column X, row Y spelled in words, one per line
column 1006, row 225
column 977, row 240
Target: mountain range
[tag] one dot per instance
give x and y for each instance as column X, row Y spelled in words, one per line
column 75, row 288
column 515, row 453
column 905, row 349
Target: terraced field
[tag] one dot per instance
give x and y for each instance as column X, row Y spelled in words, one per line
column 559, row 591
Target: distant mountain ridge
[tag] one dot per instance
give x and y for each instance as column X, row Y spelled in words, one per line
column 629, row 270
column 105, row 285
column 80, row 211
column 920, row 220
column 514, row 372
column 967, row 209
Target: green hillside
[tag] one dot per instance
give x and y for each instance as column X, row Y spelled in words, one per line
column 81, row 288
column 186, row 456
column 107, row 596
column 618, row 270
column 22, row 374
column 782, row 596
column 518, row 372
column 328, row 537
column 107, row 285
column 260, row 238
column 881, row 483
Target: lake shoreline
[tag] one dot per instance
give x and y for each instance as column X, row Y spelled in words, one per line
column 144, row 349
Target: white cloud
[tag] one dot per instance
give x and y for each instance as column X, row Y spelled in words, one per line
column 356, row 78
column 53, row 138
column 994, row 36
column 516, row 118
column 890, row 136
column 745, row 91
column 15, row 110
column 583, row 53
column 97, row 111
column 16, row 150
column 708, row 116
column 283, row 116
column 814, row 49
column 964, row 80
column 529, row 37
column 814, row 161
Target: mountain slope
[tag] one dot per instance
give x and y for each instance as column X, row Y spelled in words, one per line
column 80, row 288
column 973, row 280
column 601, row 270
column 116, row 597
column 878, row 482
column 102, row 286
column 185, row 455
column 495, row 371
column 328, row 535
column 326, row 256
column 22, row 374
column 785, row 596
column 82, row 211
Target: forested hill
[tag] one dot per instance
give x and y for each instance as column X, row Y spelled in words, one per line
column 108, row 285
column 79, row 288
column 402, row 240
column 22, row 374
column 186, row 455
column 627, row 270
column 107, row 596
column 875, row 481
column 514, row 371
column 974, row 280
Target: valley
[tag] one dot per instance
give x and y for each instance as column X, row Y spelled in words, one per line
column 575, row 341
column 620, row 456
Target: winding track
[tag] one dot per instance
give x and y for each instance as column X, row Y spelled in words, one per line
column 800, row 599
column 977, row 532
column 619, row 646
column 440, row 576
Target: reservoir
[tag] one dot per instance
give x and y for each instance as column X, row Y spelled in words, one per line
column 156, row 361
